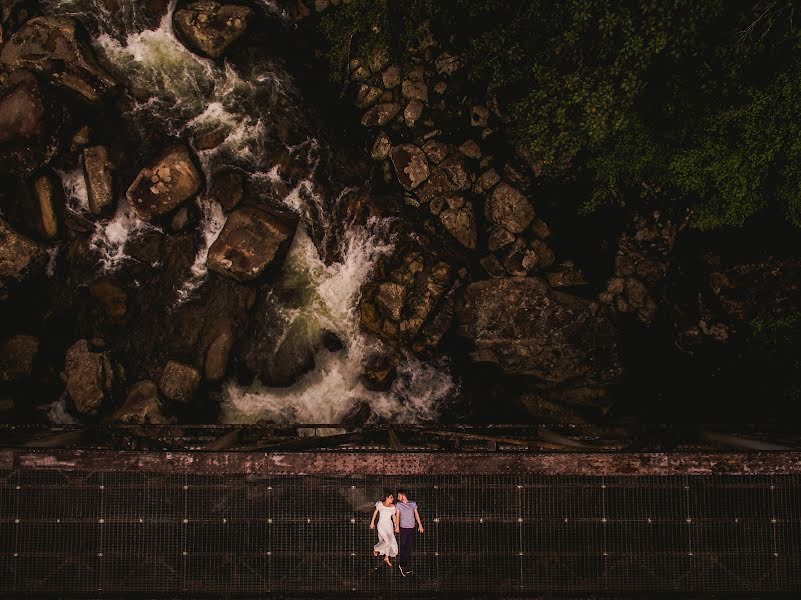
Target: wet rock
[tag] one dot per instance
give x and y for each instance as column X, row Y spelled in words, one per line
column 380, row 372
column 210, row 139
column 381, row 147
column 411, row 166
column 356, row 416
column 251, row 240
column 367, row 96
column 332, row 342
column 17, row 356
column 179, row 382
column 525, row 328
column 219, row 351
column 90, row 376
column 30, row 124
column 508, row 208
column 380, row 114
column 492, row 266
column 209, row 27
column 461, row 224
column 165, row 184
column 540, row 229
column 58, row 48
column 391, row 296
column 471, row 149
column 142, row 406
column 20, row 258
column 42, row 204
column 97, row 169
column 227, row 187
column 111, row 298
column 541, row 254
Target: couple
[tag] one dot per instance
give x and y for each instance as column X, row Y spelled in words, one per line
column 399, row 518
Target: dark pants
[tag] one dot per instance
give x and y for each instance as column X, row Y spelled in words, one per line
column 405, row 546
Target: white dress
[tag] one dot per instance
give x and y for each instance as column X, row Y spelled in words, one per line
column 386, row 531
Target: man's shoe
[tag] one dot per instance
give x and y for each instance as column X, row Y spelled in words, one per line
column 400, row 568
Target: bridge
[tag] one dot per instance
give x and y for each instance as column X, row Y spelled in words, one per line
column 501, row 519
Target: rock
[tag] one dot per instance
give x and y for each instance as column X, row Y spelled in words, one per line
column 380, row 114
column 440, row 87
column 43, row 205
column 209, row 27
column 391, row 77
column 179, row 382
column 30, row 124
column 499, row 238
column 210, row 139
column 508, row 208
column 448, row 179
column 97, row 170
column 412, row 112
column 525, row 328
column 461, row 224
column 227, row 187
column 414, row 90
column 60, row 49
column 111, row 298
column 411, row 166
column 169, row 181
column 142, row 406
column 492, row 266
column 479, row 116
column 390, row 296
column 180, row 219
column 320, row 5
column 567, row 276
column 17, row 356
column 332, row 342
column 90, row 377
column 356, row 416
column 381, row 147
column 380, row 372
column 219, row 351
column 367, row 95
column 471, row 149
column 540, row 229
column 251, row 240
column 436, row 151
column 20, row 258
column 543, row 256
column 447, row 64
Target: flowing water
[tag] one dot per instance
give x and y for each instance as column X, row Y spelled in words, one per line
column 184, row 94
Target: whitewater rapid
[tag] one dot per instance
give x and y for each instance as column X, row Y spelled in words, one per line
column 185, row 95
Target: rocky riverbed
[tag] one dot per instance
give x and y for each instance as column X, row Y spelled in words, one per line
column 197, row 226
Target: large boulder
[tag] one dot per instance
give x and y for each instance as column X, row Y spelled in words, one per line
column 29, row 124
column 251, row 240
column 60, row 49
column 209, row 27
column 41, row 202
column 525, row 328
column 20, row 258
column 165, row 184
column 179, row 382
column 90, row 376
column 411, row 165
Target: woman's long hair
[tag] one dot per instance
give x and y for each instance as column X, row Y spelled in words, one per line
column 386, row 494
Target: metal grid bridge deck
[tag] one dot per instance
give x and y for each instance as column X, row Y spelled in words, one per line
column 99, row 522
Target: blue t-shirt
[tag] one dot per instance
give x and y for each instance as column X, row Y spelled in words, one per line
column 406, row 511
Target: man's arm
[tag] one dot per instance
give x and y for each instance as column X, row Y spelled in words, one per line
column 396, row 518
column 419, row 522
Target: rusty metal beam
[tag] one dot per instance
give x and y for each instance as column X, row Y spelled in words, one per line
column 408, row 463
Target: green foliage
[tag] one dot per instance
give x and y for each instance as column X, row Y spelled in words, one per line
column 696, row 102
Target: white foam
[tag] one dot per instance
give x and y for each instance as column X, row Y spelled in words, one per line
column 57, row 413
column 111, row 236
column 212, row 223
column 75, row 192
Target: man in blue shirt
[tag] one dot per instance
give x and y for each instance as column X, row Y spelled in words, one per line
column 406, row 517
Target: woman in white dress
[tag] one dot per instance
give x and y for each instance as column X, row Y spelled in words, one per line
column 385, row 511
